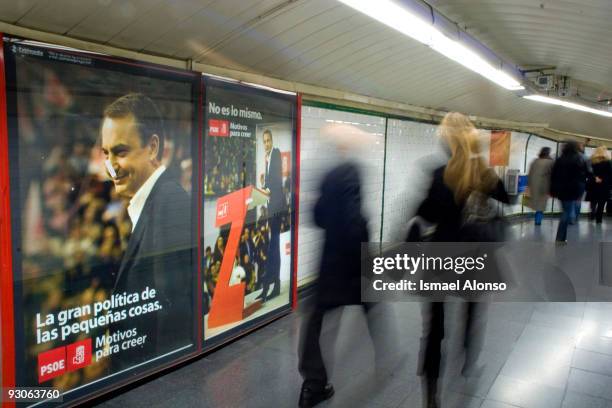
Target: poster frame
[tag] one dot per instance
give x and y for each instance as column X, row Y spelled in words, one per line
column 13, row 343
column 6, row 270
column 251, row 325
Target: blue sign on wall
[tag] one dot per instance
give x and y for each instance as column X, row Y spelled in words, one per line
column 522, row 184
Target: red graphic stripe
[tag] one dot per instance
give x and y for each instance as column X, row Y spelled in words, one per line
column 6, row 259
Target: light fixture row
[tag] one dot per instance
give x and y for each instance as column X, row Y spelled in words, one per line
column 568, row 104
column 411, row 24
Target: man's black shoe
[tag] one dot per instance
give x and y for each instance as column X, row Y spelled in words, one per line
column 309, row 397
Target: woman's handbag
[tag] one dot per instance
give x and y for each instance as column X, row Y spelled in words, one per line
column 481, row 219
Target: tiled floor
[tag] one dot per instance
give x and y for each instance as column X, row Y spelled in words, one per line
column 535, row 355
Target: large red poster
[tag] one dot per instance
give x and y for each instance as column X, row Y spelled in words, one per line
column 499, row 151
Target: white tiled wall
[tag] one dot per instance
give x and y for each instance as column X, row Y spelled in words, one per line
column 316, row 158
column 412, row 151
column 588, row 151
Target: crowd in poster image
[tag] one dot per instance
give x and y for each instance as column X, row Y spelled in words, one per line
column 228, row 162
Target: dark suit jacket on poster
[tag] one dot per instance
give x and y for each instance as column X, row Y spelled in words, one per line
column 274, row 182
column 338, row 212
column 159, row 255
column 246, row 248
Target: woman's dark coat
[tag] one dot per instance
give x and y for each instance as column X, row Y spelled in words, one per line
column 440, row 207
column 568, row 177
column 601, row 191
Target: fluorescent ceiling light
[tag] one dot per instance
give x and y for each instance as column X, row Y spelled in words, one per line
column 568, row 104
column 469, row 59
column 406, row 22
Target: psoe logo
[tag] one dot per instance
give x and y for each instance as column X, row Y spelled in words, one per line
column 78, row 355
column 223, row 210
column 62, row 359
column 51, row 363
column 217, row 127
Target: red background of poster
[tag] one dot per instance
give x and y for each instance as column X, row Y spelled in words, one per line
column 499, row 151
column 227, row 304
column 6, row 259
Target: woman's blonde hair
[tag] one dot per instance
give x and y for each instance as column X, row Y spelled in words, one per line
column 600, row 154
column 466, row 170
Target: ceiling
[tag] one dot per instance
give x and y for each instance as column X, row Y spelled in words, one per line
column 325, row 43
column 572, row 35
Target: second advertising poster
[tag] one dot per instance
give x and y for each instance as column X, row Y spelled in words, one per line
column 249, row 138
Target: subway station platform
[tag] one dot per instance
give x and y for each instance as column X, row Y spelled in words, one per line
column 535, row 355
column 173, row 172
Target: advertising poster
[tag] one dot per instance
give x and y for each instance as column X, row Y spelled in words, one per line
column 103, row 215
column 499, row 153
column 248, row 204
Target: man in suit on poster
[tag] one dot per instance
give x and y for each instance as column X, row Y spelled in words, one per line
column 273, row 183
column 159, row 254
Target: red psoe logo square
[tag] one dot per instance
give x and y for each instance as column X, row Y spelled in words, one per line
column 78, row 354
column 217, row 127
column 51, row 364
column 222, row 210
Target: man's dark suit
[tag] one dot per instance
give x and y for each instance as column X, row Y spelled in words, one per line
column 246, row 248
column 160, row 255
column 276, row 207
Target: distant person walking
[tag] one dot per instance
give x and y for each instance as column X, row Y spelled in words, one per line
column 539, row 183
column 578, row 204
column 601, row 180
column 568, row 181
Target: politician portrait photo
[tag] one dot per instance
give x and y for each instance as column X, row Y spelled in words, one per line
column 276, row 209
column 159, row 248
column 104, row 188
